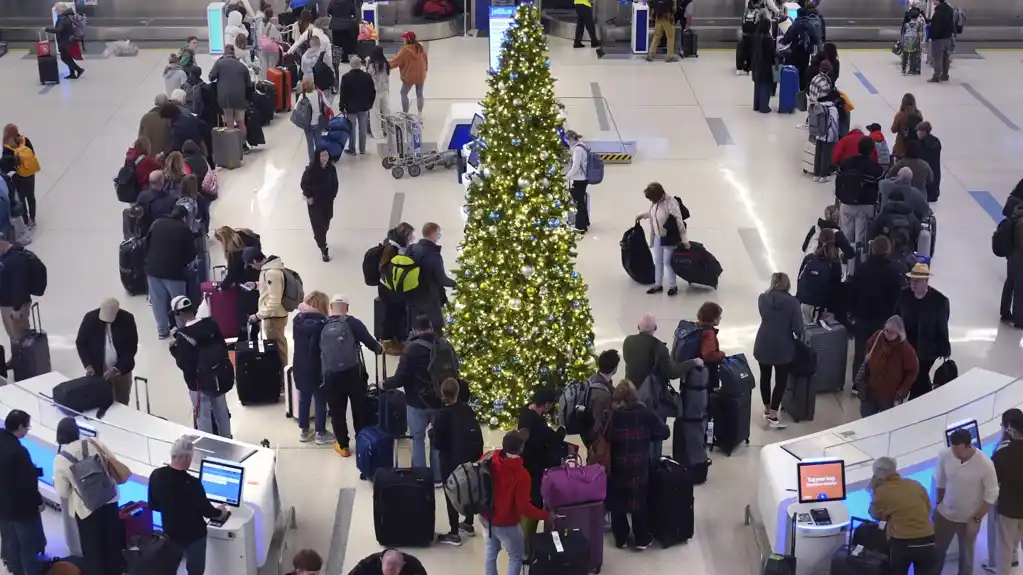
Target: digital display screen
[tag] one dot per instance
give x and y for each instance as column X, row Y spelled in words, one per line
column 474, row 128
column 501, row 18
column 822, row 480
column 474, row 158
column 222, row 481
column 969, row 425
column 215, row 27
column 86, row 431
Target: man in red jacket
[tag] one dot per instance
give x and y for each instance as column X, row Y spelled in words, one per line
column 847, row 146
column 511, row 503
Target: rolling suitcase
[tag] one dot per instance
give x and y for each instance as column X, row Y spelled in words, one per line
column 49, row 71
column 265, row 100
column 259, row 374
column 392, row 414
column 696, row 265
column 227, row 147
column 254, row 127
column 404, row 507
column 926, row 240
column 787, row 91
column 588, row 519
column 690, row 44
column 136, row 518
column 130, row 220
column 636, row 257
column 374, row 450
column 830, row 341
column 131, row 261
column 30, row 354
column 799, row 400
column 559, row 553
column 809, row 156
column 291, row 398
column 731, row 417
column 671, row 512
column 223, row 304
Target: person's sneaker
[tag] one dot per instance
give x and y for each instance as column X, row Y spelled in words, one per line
column 621, row 544
column 671, row 59
column 933, row 80
column 904, row 73
column 649, row 58
column 306, row 435
column 324, row 255
column 825, row 179
column 450, row 539
column 342, row 451
column 162, row 336
column 325, row 438
column 350, row 152
column 643, row 546
column 655, row 289
column 82, row 71
column 466, row 529
column 801, row 126
column 816, row 179
column 775, row 423
column 31, row 224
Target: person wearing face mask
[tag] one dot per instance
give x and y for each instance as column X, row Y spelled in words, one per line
column 1003, row 556
column 925, row 312
column 892, row 368
column 430, row 298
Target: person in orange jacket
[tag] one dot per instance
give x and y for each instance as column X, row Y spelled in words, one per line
column 412, row 64
column 847, row 146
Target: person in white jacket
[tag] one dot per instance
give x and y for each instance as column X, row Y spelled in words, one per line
column 576, row 180
column 234, row 29
column 379, row 68
column 667, row 230
column 266, row 29
column 302, row 40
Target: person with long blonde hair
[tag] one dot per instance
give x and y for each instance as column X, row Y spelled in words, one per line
column 781, row 323
column 234, row 241
column 892, row 367
column 306, row 368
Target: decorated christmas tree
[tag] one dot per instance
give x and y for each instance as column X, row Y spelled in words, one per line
column 521, row 318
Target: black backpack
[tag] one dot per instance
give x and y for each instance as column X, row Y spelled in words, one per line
column 814, row 282
column 1004, row 239
column 848, row 185
column 36, row 272
column 126, row 183
column 371, row 265
column 443, row 365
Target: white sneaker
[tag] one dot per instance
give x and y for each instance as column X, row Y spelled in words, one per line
column 825, row 179
column 816, row 180
column 775, row 423
column 306, row 435
column 325, row 438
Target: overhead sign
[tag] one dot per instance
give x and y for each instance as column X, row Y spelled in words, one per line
column 501, row 18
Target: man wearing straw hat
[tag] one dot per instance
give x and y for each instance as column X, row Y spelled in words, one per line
column 925, row 311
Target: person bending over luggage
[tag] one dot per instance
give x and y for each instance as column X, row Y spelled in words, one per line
column 856, row 189
column 431, row 297
column 107, row 343
column 903, row 183
column 181, row 500
column 395, row 324
column 319, row 189
column 458, row 438
column 23, row 538
column 667, row 231
column 307, row 369
column 896, row 216
column 344, row 370
column 923, row 177
column 201, row 354
column 765, row 54
column 94, row 508
column 544, row 448
column 873, row 290
column 830, row 221
column 270, row 313
column 170, row 250
column 781, row 322
column 511, row 505
column 156, row 129
column 633, row 427
column 905, row 506
column 925, row 312
column 599, row 399
column 15, row 299
column 819, row 287
column 234, row 241
column 644, row 353
column 387, row 562
column 893, row 368
column 306, row 562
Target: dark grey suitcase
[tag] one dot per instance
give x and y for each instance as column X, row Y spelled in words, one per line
column 799, row 401
column 227, row 147
column 30, row 354
column 830, row 341
column 49, row 72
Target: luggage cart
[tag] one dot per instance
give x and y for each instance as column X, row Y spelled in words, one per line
column 405, row 147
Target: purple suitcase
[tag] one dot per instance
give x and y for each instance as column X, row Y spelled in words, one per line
column 588, row 518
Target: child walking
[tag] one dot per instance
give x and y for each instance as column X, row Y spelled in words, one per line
column 912, row 41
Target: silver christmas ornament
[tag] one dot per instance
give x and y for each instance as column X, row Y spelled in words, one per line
column 515, row 303
column 545, row 183
column 486, row 172
column 516, row 102
column 523, row 183
column 527, row 270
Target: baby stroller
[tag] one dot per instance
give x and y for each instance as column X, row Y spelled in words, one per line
column 335, row 137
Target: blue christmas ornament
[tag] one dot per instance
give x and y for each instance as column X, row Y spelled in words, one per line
column 557, row 204
column 552, row 170
column 519, row 195
column 514, row 75
column 493, row 216
column 575, row 304
column 554, row 222
column 516, row 141
column 532, row 238
column 575, row 275
column 547, row 63
column 537, row 222
column 495, row 370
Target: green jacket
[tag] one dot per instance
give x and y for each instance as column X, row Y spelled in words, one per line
column 642, row 352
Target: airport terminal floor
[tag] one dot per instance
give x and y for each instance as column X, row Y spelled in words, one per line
column 695, row 131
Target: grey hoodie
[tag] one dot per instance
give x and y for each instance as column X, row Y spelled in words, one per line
column 914, row 198
column 173, row 78
column 780, row 323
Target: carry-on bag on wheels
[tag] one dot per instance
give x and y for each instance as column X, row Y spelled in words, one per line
column 730, row 415
column 374, row 450
column 866, row 551
column 690, row 44
column 829, row 340
column 30, row 354
column 392, row 414
column 670, row 495
column 789, row 87
column 799, row 401
column 259, row 373
column 136, row 519
column 636, row 257
column 696, row 265
column 265, row 99
column 131, row 256
column 281, row 80
column 588, row 519
column 227, row 147
column 559, row 553
column 223, row 303
column 404, row 507
column 49, row 71
column 153, row 554
column 131, row 219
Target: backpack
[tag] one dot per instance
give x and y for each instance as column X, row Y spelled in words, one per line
column 884, row 154
column 28, row 162
column 371, row 265
column 193, row 99
column 302, row 114
column 848, row 185
column 36, row 272
column 1004, row 239
column 911, row 123
column 294, row 292
column 750, row 20
column 573, row 407
column 817, row 123
column 401, row 275
column 323, row 75
column 594, row 167
column 814, row 281
column 958, row 20
column 339, row 350
column 686, row 344
column 214, row 371
column 93, row 482
column 813, row 38
column 470, row 487
column 126, row 183
column 78, row 23
column 911, row 36
column 443, row 365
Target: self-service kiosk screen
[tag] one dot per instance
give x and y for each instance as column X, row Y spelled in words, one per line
column 822, row 480
column 969, row 425
column 222, row 481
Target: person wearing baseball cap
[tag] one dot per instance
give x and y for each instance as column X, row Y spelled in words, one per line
column 107, row 342
column 201, row 354
column 925, row 311
column 412, row 64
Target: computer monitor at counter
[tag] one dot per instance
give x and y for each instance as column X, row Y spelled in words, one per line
column 222, row 481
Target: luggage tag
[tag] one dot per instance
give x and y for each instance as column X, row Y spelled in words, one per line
column 856, row 551
column 556, row 538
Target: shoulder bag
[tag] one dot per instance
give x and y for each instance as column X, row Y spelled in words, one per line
column 861, row 381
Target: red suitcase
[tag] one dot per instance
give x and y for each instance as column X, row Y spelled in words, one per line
column 223, row 304
column 281, row 79
column 137, row 519
column 588, row 518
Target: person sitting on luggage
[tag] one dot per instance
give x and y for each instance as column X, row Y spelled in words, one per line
column 708, row 317
column 856, row 189
column 930, row 152
column 781, row 323
column 233, row 81
column 923, row 177
column 512, row 503
column 387, row 562
column 819, row 287
column 643, row 353
column 307, row 369
column 458, row 438
column 306, row 562
column 884, row 154
column 170, row 250
column 431, row 297
column 903, row 184
column 848, row 147
column 107, row 343
column 156, row 129
column 270, row 313
column 873, row 290
column 358, row 92
column 545, row 447
column 180, row 498
column 633, row 427
column 601, row 386
column 925, row 310
column 906, row 508
column 99, row 526
column 15, row 299
column 344, row 370
column 395, row 320
column 667, row 231
column 200, row 352
column 896, row 215
column 234, row 242
column 830, row 221
column 893, row 367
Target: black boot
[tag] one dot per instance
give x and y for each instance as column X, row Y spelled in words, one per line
column 324, row 255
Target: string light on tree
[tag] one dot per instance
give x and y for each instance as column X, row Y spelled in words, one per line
column 520, row 318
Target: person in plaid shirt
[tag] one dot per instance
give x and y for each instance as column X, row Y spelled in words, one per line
column 820, row 85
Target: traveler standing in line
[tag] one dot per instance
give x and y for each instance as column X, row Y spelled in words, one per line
column 667, row 231
column 925, row 311
column 156, row 129
column 819, row 287
column 107, row 342
column 1011, row 306
column 344, row 371
column 24, row 178
column 7, row 199
column 830, row 221
column 584, row 19
column 544, row 447
column 144, row 166
column 663, row 14
column 358, row 91
column 781, row 321
column 186, row 55
column 577, row 181
column 456, row 433
column 828, row 53
column 344, row 26
column 431, row 297
column 942, row 39
column 174, row 76
column 267, row 32
column 270, row 312
column 173, row 173
column 923, row 177
column 170, row 250
column 185, row 125
column 235, row 29
column 307, row 369
column 234, row 241
column 511, row 505
column 64, row 30
column 1007, row 468
column 311, row 57
column 708, row 318
column 23, row 538
column 801, row 37
column 856, row 188
column 901, row 184
column 233, row 81
column 202, row 356
column 15, row 299
column 967, row 486
column 601, row 386
column 319, row 188
column 904, row 125
column 643, row 353
column 930, row 152
column 848, row 147
column 905, row 506
column 873, row 291
column 155, row 202
column 765, row 53
column 181, row 500
column 395, row 323
column 412, row 65
column 95, row 509
column 632, row 428
column 893, row 368
column 195, row 160
column 380, row 70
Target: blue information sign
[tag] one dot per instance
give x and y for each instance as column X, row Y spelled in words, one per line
column 501, row 18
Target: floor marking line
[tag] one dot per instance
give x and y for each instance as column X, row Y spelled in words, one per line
column 990, row 205
column 720, row 131
column 866, row 83
column 396, row 209
column 598, row 101
column 991, row 107
column 757, row 252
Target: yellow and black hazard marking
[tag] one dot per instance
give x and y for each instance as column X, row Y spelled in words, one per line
column 615, row 158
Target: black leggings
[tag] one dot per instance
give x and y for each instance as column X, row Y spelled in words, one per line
column 72, row 66
column 344, row 387
column 102, row 539
column 26, row 189
column 582, row 208
column 772, row 398
column 348, row 41
column 319, row 219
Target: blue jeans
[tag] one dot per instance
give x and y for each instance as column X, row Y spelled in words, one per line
column 161, row 292
column 195, row 557
column 24, row 545
column 762, row 98
column 305, row 400
column 211, row 408
column 418, row 421
column 662, row 263
column 311, row 137
column 511, row 539
column 360, row 127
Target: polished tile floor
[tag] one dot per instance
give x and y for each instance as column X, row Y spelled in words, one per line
column 695, row 131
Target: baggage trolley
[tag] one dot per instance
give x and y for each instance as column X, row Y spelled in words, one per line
column 405, row 147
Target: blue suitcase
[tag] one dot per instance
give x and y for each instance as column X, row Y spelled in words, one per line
column 788, row 90
column 374, row 450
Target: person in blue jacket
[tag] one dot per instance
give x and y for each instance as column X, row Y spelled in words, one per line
column 306, row 368
column 801, row 38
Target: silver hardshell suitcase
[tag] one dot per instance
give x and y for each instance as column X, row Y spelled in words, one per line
column 227, row 147
column 830, row 341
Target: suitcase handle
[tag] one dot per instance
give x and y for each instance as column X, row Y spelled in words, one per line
column 36, row 317
column 222, row 275
column 137, row 403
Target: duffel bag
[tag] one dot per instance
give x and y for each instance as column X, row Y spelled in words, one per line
column 696, row 265
column 85, row 394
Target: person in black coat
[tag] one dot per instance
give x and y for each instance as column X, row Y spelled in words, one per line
column 170, row 249
column 925, row 312
column 107, row 343
column 828, row 52
column 24, row 542
column 894, row 216
column 430, row 298
column 15, row 299
column 544, row 447
column 201, row 353
column 306, row 368
column 65, row 32
column 344, row 26
column 234, row 242
column 358, row 92
column 797, row 54
column 764, row 55
column 930, row 152
column 873, row 291
column 185, row 126
column 155, row 201
column 458, row 438
column 319, row 186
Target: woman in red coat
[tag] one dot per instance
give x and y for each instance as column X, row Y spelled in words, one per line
column 146, row 165
column 892, row 367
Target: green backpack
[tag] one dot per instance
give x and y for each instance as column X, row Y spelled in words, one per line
column 401, row 275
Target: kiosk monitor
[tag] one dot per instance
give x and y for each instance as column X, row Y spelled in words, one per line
column 821, row 480
column 474, row 158
column 474, row 128
column 967, row 424
column 222, row 481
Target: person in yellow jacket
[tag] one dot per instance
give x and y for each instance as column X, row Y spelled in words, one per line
column 584, row 18
column 24, row 178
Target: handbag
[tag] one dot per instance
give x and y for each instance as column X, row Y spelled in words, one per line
column 599, row 452
column 117, row 470
column 211, row 184
column 862, row 377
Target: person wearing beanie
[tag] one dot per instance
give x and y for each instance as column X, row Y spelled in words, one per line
column 905, row 505
column 107, row 342
column 21, row 524
column 358, row 93
column 1008, row 462
column 544, row 446
column 201, row 354
column 99, row 529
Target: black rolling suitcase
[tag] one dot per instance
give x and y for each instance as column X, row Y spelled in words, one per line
column 131, row 257
column 404, row 507
column 131, row 220
column 259, row 373
column 730, row 415
column 265, row 100
column 799, row 401
column 690, row 44
column 636, row 257
column 30, row 354
column 672, row 515
column 559, row 553
column 866, row 553
column 254, row 126
column 696, row 265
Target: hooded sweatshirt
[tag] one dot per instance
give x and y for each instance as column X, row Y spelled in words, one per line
column 199, row 341
column 511, row 492
column 271, row 289
column 174, row 78
column 781, row 321
column 840, row 240
column 847, row 147
column 234, row 28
